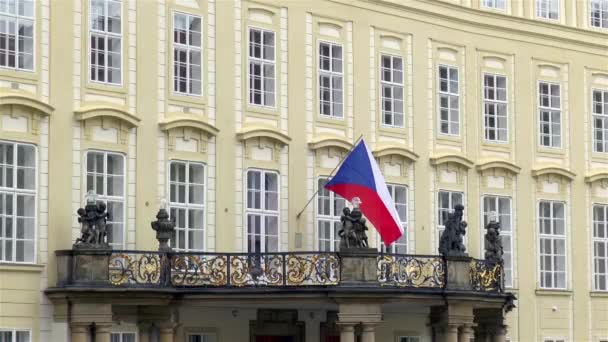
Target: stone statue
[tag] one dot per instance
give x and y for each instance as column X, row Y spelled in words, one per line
column 352, row 234
column 451, row 242
column 93, row 219
column 493, row 242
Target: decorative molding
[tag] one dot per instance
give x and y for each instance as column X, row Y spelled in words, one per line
column 554, row 170
column 26, row 101
column 388, row 150
column 263, row 132
column 452, row 159
column 597, row 175
column 190, row 121
column 94, row 111
column 330, row 141
column 498, row 164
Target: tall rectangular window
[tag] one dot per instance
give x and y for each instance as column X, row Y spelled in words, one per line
column 17, row 34
column 496, row 4
column 449, row 100
column 187, row 204
column 123, row 337
column 261, row 67
column 600, row 247
column 262, row 211
column 495, row 108
column 399, row 195
column 391, row 85
column 106, row 41
column 599, row 13
column 446, row 200
column 15, row 335
column 18, row 190
column 600, row 120
column 501, row 208
column 187, row 54
column 330, row 80
column 106, row 177
column 552, row 241
column 550, row 114
column 329, row 210
column 547, row 9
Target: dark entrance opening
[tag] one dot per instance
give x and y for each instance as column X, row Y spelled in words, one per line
column 276, row 326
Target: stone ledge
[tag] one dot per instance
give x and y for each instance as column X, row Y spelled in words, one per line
column 17, row 267
column 548, row 292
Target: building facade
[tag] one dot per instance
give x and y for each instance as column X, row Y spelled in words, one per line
column 234, row 113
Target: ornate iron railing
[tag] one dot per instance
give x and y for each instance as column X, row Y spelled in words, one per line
column 486, row 276
column 411, row 271
column 135, row 268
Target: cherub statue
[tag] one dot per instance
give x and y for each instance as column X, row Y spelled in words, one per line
column 493, row 242
column 451, row 242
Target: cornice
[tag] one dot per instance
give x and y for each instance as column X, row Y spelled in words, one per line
column 453, row 13
column 453, row 159
column 498, row 164
column 263, row 131
column 393, row 149
column 330, row 141
column 26, row 101
column 555, row 170
column 93, row 111
column 189, row 122
column 596, row 175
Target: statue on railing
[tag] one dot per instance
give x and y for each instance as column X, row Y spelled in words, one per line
column 93, row 219
column 451, row 242
column 352, row 234
column 493, row 241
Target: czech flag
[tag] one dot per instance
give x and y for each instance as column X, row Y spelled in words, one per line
column 359, row 176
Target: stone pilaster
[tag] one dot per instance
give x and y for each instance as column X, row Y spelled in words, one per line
column 347, row 332
column 80, row 332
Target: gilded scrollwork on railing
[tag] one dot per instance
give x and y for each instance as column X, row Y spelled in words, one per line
column 257, row 269
column 130, row 268
column 411, row 271
column 313, row 269
column 199, row 270
column 486, row 276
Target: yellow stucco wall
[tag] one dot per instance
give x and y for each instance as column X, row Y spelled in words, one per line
column 65, row 113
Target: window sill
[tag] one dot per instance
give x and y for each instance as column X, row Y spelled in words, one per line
column 549, row 292
column 599, row 294
column 37, row 268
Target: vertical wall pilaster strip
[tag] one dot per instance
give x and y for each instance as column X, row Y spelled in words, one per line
column 310, row 159
column 372, row 85
column 211, row 148
column 241, row 238
column 162, row 67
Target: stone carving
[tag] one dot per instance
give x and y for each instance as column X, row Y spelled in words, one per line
column 352, row 234
column 164, row 227
column 452, row 242
column 93, row 219
column 493, row 242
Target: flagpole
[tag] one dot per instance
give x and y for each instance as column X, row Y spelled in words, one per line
column 329, row 177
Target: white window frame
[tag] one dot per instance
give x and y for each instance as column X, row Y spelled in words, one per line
column 440, row 227
column 496, row 103
column 392, row 85
column 544, row 7
column 15, row 192
column 262, row 212
column 105, row 197
column 16, row 18
column 493, row 4
column 123, row 333
column 510, row 233
column 449, row 94
column 554, row 339
column 331, row 74
column 188, row 206
column 404, row 239
column 105, row 35
column 14, row 332
column 597, row 243
column 551, row 109
column 262, row 62
column 603, row 116
column 333, row 217
column 602, row 8
column 553, row 238
column 188, row 47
